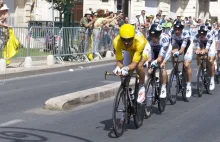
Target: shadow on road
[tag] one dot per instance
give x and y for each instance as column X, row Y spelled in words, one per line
column 108, row 126
column 19, row 134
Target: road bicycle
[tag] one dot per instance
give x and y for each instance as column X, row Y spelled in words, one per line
column 153, row 88
column 203, row 76
column 129, row 107
column 177, row 82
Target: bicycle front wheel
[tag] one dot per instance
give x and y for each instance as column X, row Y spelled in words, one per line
column 200, row 82
column 207, row 80
column 184, row 86
column 119, row 123
column 139, row 110
column 173, row 88
column 149, row 90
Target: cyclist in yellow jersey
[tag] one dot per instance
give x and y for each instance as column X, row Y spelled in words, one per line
column 134, row 44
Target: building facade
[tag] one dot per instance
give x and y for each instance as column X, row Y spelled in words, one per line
column 22, row 11
column 172, row 8
column 214, row 10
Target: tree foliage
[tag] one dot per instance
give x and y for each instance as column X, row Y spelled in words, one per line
column 59, row 4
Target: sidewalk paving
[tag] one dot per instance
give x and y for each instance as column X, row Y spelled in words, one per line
column 40, row 67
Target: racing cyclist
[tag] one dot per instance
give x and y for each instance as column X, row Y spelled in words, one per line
column 158, row 52
column 203, row 41
column 218, row 45
column 214, row 34
column 180, row 41
column 134, row 43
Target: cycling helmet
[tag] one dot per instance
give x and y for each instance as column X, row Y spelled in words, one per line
column 127, row 31
column 178, row 24
column 203, row 29
column 209, row 26
column 155, row 29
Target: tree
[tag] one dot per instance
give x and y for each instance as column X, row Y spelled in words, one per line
column 64, row 7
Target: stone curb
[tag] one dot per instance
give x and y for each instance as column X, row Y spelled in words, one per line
column 72, row 100
column 38, row 71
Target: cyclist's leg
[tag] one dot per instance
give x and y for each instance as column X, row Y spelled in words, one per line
column 163, row 79
column 218, row 54
column 175, row 47
column 211, row 57
column 141, row 72
column 218, row 61
column 188, row 71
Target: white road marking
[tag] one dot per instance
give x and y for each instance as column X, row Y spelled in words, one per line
column 12, row 122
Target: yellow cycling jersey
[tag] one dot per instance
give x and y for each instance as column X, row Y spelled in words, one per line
column 136, row 48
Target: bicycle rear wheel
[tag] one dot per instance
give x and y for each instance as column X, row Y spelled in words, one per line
column 149, row 89
column 173, row 88
column 200, row 82
column 118, row 124
column 139, row 110
column 184, row 86
column 207, row 80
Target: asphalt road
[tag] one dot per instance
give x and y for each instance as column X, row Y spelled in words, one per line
column 23, row 119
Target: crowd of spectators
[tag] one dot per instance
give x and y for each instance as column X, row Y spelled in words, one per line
column 93, row 21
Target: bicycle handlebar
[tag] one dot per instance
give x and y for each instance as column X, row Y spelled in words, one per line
column 129, row 75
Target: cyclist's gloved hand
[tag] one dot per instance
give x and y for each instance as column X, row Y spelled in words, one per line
column 124, row 71
column 154, row 63
column 117, row 70
column 176, row 54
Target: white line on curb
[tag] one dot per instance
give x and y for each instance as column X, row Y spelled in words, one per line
column 12, row 122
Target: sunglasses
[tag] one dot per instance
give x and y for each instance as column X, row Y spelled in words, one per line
column 127, row 39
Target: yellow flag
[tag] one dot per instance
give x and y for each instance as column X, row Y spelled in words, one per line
column 11, row 47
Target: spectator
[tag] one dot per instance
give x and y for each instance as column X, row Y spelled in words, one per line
column 86, row 20
column 114, row 23
column 160, row 13
column 121, row 19
column 126, row 20
column 97, row 26
column 142, row 19
column 187, row 24
column 157, row 18
column 137, row 16
column 162, row 20
column 4, row 14
column 190, row 20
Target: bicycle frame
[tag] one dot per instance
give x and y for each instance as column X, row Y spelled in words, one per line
column 156, row 89
column 176, row 68
column 125, row 84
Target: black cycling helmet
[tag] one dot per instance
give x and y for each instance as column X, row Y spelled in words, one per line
column 209, row 26
column 178, row 24
column 203, row 29
column 155, row 30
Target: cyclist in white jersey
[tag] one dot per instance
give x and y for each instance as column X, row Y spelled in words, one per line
column 180, row 40
column 203, row 41
column 158, row 52
column 214, row 34
column 218, row 44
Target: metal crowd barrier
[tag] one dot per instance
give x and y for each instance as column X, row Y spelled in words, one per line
column 66, row 44
column 72, row 43
column 43, row 41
